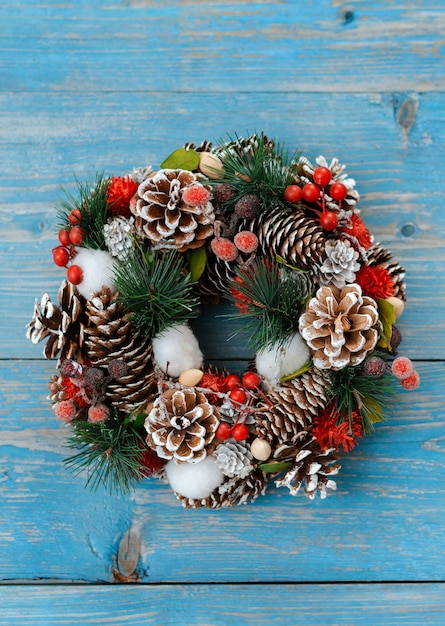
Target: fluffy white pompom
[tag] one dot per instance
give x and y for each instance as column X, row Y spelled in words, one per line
column 282, row 359
column 97, row 269
column 176, row 349
column 194, row 480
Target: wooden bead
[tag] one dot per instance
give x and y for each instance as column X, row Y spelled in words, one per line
column 190, row 378
column 398, row 305
column 210, row 165
column 260, row 449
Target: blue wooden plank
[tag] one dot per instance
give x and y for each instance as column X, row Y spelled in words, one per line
column 385, row 522
column 223, row 605
column 149, row 46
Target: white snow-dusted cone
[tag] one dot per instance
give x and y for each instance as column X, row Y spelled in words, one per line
column 282, row 359
column 176, row 349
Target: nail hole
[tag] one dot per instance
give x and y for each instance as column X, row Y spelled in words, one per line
column 408, row 230
column 348, row 17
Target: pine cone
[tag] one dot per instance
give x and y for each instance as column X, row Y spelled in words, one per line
column 338, row 176
column 311, row 466
column 243, row 145
column 181, row 424
column 56, row 391
column 212, row 285
column 63, row 326
column 294, row 405
column 110, row 336
column 298, row 239
column 233, row 458
column 340, row 326
column 165, row 219
column 340, row 264
column 378, row 256
column 233, row 491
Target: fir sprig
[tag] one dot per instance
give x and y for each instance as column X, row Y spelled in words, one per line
column 91, row 200
column 264, row 169
column 270, row 299
column 369, row 396
column 110, row 453
column 156, row 290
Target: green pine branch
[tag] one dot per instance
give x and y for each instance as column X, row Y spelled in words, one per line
column 156, row 289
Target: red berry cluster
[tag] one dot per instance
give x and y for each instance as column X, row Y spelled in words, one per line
column 238, row 393
column 311, row 193
column 69, row 237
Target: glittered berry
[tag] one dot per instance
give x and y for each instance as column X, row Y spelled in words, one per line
column 117, row 368
column 232, row 381
column 98, row 413
column 64, row 237
column 75, row 274
column 311, row 192
column 402, row 367
column 223, row 431
column 240, row 432
column 75, row 216
column 238, row 395
column 338, row 191
column 411, row 382
column 196, row 195
column 61, row 256
column 251, row 380
column 94, row 378
column 396, row 338
column 322, row 176
column 375, row 367
column 224, row 249
column 248, row 206
column 328, row 220
column 293, row 193
column 65, row 410
column 223, row 192
column 246, row 241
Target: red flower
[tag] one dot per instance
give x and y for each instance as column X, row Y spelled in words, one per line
column 214, row 382
column 119, row 194
column 151, row 463
column 75, row 392
column 331, row 434
column 375, row 281
column 358, row 230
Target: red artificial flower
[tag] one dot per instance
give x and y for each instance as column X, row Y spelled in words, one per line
column 215, row 382
column 331, row 434
column 151, row 463
column 120, row 192
column 358, row 230
column 75, row 392
column 375, row 281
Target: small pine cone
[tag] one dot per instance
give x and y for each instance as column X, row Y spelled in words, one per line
column 110, row 336
column 62, row 326
column 378, row 256
column 181, row 425
column 298, row 239
column 233, row 458
column 311, row 467
column 233, row 491
column 56, row 391
column 243, row 145
column 204, row 146
column 165, row 219
column 294, row 405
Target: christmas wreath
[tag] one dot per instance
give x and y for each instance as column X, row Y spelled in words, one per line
column 317, row 299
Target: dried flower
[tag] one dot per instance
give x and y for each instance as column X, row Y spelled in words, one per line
column 375, row 281
column 120, row 192
column 331, row 434
column 357, row 229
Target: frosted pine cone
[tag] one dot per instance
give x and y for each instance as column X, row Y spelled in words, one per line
column 181, row 424
column 340, row 264
column 233, row 458
column 118, row 237
column 165, row 218
column 340, row 326
column 338, row 176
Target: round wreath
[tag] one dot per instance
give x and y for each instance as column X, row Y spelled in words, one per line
column 317, row 299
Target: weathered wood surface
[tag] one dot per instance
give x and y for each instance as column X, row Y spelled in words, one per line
column 88, row 86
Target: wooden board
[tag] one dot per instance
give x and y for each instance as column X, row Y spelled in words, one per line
column 95, row 86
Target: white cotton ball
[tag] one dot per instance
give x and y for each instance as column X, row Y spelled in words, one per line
column 97, row 270
column 194, row 480
column 176, row 349
column 282, row 359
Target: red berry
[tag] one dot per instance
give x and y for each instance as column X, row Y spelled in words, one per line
column 328, row 220
column 77, row 235
column 75, row 216
column 238, row 395
column 311, row 192
column 75, row 274
column 338, row 191
column 240, row 432
column 293, row 193
column 61, row 256
column 223, row 431
column 322, row 176
column 64, row 237
column 232, row 381
column 251, row 380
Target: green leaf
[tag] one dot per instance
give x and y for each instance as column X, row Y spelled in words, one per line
column 304, row 368
column 275, row 466
column 197, row 260
column 182, row 159
column 387, row 319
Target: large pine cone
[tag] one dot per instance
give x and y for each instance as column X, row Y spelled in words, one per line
column 213, row 284
column 110, row 336
column 378, row 256
column 298, row 239
column 62, row 326
column 293, row 406
column 165, row 219
column 181, row 424
column 340, row 326
column 311, row 467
